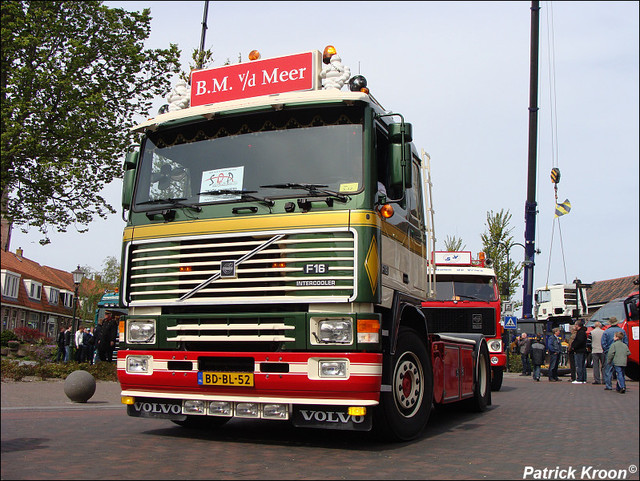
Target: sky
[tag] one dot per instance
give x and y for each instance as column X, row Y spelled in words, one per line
column 459, row 72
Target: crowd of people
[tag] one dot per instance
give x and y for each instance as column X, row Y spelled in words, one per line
column 609, row 350
column 91, row 344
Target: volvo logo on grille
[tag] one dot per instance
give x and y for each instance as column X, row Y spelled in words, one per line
column 227, row 269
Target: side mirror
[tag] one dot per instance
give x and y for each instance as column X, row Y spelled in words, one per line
column 129, row 176
column 400, row 155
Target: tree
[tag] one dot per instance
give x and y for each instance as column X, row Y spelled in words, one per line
column 453, row 244
column 108, row 279
column 202, row 59
column 496, row 243
column 74, row 77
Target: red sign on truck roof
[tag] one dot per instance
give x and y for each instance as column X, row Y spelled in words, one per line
column 260, row 77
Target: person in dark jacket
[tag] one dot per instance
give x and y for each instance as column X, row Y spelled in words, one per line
column 524, row 347
column 580, row 352
column 554, row 353
column 108, row 337
column 570, row 354
column 538, row 352
column 60, row 342
column 97, row 334
column 86, row 340
column 67, row 344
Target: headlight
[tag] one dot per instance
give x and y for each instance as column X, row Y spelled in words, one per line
column 495, row 345
column 334, row 331
column 333, row 369
column 139, row 364
column 142, row 331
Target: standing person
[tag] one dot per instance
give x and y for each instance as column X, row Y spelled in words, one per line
column 60, row 355
column 571, row 354
column 607, row 341
column 554, row 353
column 96, row 340
column 538, row 352
column 67, row 344
column 78, row 344
column 580, row 352
column 108, row 337
column 524, row 348
column 597, row 354
column 617, row 356
column 87, row 346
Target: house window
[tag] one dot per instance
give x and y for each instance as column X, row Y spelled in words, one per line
column 10, row 284
column 34, row 319
column 34, row 289
column 53, row 294
column 67, row 298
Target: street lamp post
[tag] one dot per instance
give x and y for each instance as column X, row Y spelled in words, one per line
column 78, row 274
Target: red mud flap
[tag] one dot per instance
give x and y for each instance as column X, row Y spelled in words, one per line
column 156, row 408
column 330, row 417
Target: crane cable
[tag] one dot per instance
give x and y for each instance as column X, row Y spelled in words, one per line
column 555, row 171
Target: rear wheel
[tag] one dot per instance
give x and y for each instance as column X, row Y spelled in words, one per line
column 403, row 413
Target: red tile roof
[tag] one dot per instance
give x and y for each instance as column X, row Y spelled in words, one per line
column 47, row 276
column 604, row 291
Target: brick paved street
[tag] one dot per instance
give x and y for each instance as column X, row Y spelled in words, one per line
column 540, row 425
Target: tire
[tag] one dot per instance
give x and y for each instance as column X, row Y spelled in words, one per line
column 482, row 383
column 403, row 413
column 202, row 422
column 632, row 371
column 497, row 373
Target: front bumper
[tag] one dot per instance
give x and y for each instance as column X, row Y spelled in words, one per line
column 290, row 378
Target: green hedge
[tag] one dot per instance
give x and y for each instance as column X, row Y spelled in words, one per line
column 102, row 371
column 7, row 336
column 515, row 363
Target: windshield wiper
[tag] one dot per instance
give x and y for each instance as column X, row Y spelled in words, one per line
column 313, row 189
column 244, row 195
column 173, row 202
column 473, row 298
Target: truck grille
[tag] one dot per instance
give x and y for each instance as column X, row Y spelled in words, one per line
column 461, row 319
column 287, row 267
column 211, row 330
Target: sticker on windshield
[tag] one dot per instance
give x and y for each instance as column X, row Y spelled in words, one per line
column 352, row 187
column 216, row 184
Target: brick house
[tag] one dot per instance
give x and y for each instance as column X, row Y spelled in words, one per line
column 36, row 296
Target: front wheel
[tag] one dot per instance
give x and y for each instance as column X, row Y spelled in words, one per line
column 632, row 371
column 497, row 373
column 403, row 413
column 482, row 388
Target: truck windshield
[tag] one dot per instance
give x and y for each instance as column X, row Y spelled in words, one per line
column 465, row 288
column 200, row 163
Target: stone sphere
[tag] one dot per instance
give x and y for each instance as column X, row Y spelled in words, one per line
column 79, row 386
